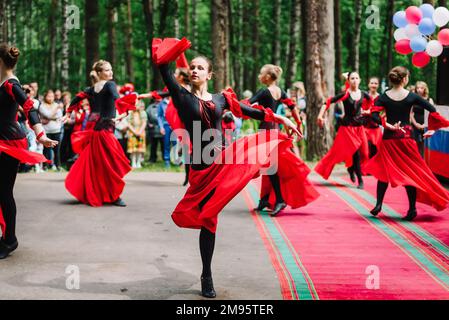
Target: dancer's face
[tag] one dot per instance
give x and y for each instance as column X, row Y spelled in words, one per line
column 199, row 71
column 373, row 85
column 354, row 80
column 106, row 73
column 420, row 89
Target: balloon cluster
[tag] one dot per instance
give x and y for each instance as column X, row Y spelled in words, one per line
column 416, row 26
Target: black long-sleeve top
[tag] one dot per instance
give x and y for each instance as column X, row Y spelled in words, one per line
column 399, row 110
column 11, row 96
column 352, row 109
column 264, row 98
column 193, row 110
column 102, row 102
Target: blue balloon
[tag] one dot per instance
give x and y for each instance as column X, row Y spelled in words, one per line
column 418, row 44
column 400, row 19
column 427, row 10
column 427, row 26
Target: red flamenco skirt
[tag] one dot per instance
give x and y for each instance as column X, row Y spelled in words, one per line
column 96, row 177
column 399, row 163
column 296, row 189
column 374, row 135
column 18, row 150
column 231, row 171
column 348, row 140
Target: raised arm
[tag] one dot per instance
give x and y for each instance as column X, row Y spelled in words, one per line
column 168, row 77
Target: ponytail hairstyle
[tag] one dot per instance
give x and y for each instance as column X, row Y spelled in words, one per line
column 96, row 69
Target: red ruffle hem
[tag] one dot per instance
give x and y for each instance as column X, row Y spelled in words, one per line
column 399, row 163
column 18, row 150
column 97, row 175
column 348, row 140
column 225, row 179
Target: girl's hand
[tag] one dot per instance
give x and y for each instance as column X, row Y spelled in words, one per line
column 320, row 122
column 289, row 125
column 428, row 134
column 48, row 143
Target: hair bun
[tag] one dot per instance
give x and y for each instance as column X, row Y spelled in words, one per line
column 14, row 52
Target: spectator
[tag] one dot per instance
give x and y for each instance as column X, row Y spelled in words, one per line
column 154, row 132
column 137, row 123
column 165, row 130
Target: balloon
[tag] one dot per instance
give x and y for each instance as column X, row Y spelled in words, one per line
column 403, row 46
column 427, row 26
column 434, row 48
column 443, row 37
column 400, row 19
column 420, row 59
column 412, row 30
column 427, row 10
column 413, row 14
column 400, row 34
column 418, row 44
column 441, row 16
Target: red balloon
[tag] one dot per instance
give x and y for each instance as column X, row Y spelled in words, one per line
column 420, row 59
column 413, row 15
column 403, row 46
column 443, row 37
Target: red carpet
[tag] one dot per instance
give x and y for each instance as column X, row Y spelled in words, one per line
column 325, row 250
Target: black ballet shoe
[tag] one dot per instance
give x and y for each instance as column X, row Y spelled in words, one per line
column 411, row 214
column 278, row 208
column 119, row 203
column 6, row 249
column 361, row 186
column 376, row 210
column 207, row 287
column 351, row 174
column 262, row 205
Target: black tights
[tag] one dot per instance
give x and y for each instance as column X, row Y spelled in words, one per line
column 275, row 182
column 207, row 244
column 356, row 167
column 8, row 172
column 382, row 188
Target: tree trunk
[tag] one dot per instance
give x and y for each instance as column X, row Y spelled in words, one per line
column 338, row 42
column 386, row 67
column 3, row 21
column 111, row 12
column 246, row 44
column 327, row 45
column 148, row 11
column 194, row 26
column 163, row 16
column 234, row 34
column 255, row 45
column 65, row 48
column 187, row 18
column 318, row 140
column 129, row 44
column 176, row 17
column 294, row 38
column 52, row 29
column 220, row 43
column 13, row 23
column 442, row 3
column 355, row 46
column 276, row 54
column 91, row 35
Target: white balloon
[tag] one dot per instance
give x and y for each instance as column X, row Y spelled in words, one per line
column 434, row 48
column 412, row 30
column 441, row 16
column 400, row 34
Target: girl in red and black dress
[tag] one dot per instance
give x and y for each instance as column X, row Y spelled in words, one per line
column 13, row 143
column 213, row 180
column 372, row 129
column 398, row 161
column 350, row 144
column 96, row 177
column 289, row 186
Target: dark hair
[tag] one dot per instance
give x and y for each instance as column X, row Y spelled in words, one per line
column 209, row 62
column 350, row 73
column 377, row 78
column 9, row 55
column 397, row 75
